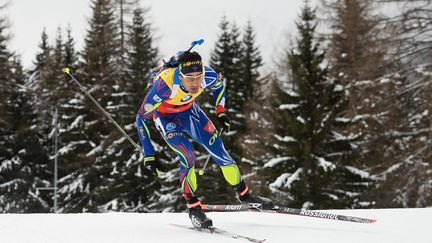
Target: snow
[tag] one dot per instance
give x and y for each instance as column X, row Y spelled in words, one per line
column 300, row 119
column 11, row 183
column 276, row 161
column 385, row 80
column 325, row 164
column 95, row 150
column 74, row 101
column 361, row 173
column 286, row 179
column 6, row 164
column 393, row 226
column 251, row 141
column 338, row 88
column 343, row 119
column 121, row 94
column 292, row 93
column 285, row 138
column 69, row 147
column 288, row 106
column 76, row 122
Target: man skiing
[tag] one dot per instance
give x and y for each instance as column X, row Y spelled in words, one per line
column 171, row 105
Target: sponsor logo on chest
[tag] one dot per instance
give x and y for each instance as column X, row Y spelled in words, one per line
column 170, row 126
column 186, row 98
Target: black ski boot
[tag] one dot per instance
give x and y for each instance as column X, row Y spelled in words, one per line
column 197, row 215
column 246, row 197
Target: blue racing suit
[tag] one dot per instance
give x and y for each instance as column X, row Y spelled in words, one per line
column 175, row 114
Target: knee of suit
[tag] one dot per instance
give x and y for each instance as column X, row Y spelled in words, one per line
column 232, row 174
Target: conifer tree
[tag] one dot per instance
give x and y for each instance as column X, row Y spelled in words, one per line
column 251, row 61
column 254, row 98
column 43, row 81
column 224, row 59
column 135, row 184
column 355, row 50
column 111, row 176
column 44, row 51
column 70, row 56
column 71, row 107
column 316, row 163
column 402, row 116
column 22, row 157
column 99, row 75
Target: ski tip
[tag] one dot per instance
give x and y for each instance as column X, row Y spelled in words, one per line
column 373, row 221
column 67, row 70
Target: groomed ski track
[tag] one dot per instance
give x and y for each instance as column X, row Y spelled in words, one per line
column 393, row 225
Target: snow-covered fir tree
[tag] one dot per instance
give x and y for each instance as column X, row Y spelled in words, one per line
column 142, row 56
column 251, row 62
column 357, row 56
column 254, row 97
column 315, row 164
column 225, row 59
column 404, row 170
column 111, row 176
column 83, row 190
column 70, row 56
column 22, row 157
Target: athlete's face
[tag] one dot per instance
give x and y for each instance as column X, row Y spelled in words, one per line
column 192, row 81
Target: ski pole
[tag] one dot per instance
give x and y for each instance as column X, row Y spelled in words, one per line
column 137, row 147
column 194, row 43
column 201, row 172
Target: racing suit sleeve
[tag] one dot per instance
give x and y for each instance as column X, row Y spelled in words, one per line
column 154, row 98
column 217, row 86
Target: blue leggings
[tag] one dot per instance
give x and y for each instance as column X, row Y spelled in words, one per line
column 194, row 122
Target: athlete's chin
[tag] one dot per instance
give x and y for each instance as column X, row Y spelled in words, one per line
column 193, row 91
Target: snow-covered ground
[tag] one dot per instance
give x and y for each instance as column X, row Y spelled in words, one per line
column 393, row 225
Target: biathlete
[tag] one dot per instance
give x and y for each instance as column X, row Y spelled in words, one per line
column 171, row 105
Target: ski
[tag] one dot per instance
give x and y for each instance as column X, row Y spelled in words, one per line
column 256, row 207
column 214, row 230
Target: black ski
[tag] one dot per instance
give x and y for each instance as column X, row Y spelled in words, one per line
column 256, row 207
column 214, row 230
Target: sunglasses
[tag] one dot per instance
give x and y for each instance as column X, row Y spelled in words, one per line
column 191, row 76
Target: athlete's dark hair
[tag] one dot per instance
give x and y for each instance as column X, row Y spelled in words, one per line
column 188, row 57
column 190, row 62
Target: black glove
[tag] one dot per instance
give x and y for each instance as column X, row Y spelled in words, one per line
column 154, row 165
column 224, row 121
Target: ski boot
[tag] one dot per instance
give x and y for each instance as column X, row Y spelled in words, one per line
column 197, row 215
column 245, row 197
